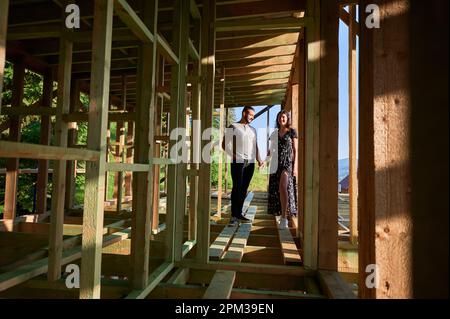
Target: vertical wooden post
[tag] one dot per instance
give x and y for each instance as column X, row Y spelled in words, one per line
column 328, row 136
column 12, row 164
column 429, row 147
column 195, row 137
column 353, row 182
column 226, row 162
column 71, row 170
column 143, row 181
column 207, row 104
column 386, row 221
column 59, row 170
column 300, row 64
column 129, row 159
column 91, row 255
column 312, row 136
column 120, row 149
column 46, row 131
column 108, row 145
column 4, row 7
column 159, row 104
column 176, row 206
column 221, row 131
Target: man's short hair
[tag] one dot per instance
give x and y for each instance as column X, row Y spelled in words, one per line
column 246, row 108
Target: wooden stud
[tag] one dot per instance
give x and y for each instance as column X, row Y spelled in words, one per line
column 353, row 182
column 59, row 170
column 226, row 164
column 129, row 157
column 143, row 181
column 181, row 46
column 221, row 155
column 195, row 138
column 4, row 6
column 42, row 178
column 12, row 164
column 207, row 98
column 429, row 147
column 71, row 169
column 157, row 146
column 328, row 136
column 311, row 137
column 301, row 65
column 120, row 149
column 385, row 219
column 95, row 171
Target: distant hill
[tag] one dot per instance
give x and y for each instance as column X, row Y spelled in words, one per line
column 343, row 168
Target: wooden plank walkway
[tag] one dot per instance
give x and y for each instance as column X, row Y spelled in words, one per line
column 289, row 249
column 222, row 241
column 222, row 283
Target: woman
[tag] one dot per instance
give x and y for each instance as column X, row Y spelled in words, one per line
column 282, row 199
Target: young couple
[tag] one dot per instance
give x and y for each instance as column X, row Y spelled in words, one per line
column 240, row 143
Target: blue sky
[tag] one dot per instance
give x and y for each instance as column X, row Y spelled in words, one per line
column 261, row 122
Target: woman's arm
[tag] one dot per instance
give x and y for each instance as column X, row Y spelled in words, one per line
column 294, row 157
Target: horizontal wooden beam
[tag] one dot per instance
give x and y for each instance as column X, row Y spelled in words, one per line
column 232, row 72
column 154, row 279
column 26, row 272
column 256, row 53
column 257, row 77
column 132, row 20
column 257, row 42
column 193, row 53
column 334, row 285
column 35, row 151
column 266, row 24
column 166, row 51
column 258, row 62
column 248, row 267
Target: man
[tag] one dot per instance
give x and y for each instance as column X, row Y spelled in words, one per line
column 240, row 144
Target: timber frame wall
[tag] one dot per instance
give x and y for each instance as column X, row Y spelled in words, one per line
column 393, row 226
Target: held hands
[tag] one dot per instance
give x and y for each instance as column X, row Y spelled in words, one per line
column 261, row 164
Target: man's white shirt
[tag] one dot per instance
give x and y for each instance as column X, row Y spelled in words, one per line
column 245, row 141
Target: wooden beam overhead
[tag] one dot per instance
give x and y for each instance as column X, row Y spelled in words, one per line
column 266, row 24
column 256, row 53
column 256, row 42
column 132, row 20
column 258, row 69
column 257, row 83
column 230, row 35
column 258, row 77
column 245, row 9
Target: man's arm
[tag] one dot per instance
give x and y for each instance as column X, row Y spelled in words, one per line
column 258, row 157
column 233, row 150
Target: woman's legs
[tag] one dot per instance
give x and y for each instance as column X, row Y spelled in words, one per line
column 283, row 190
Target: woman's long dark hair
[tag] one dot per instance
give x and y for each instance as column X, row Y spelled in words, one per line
column 288, row 115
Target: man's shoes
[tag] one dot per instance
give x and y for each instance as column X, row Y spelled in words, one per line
column 233, row 222
column 243, row 219
column 283, row 223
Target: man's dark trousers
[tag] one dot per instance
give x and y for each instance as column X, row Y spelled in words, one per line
column 242, row 174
